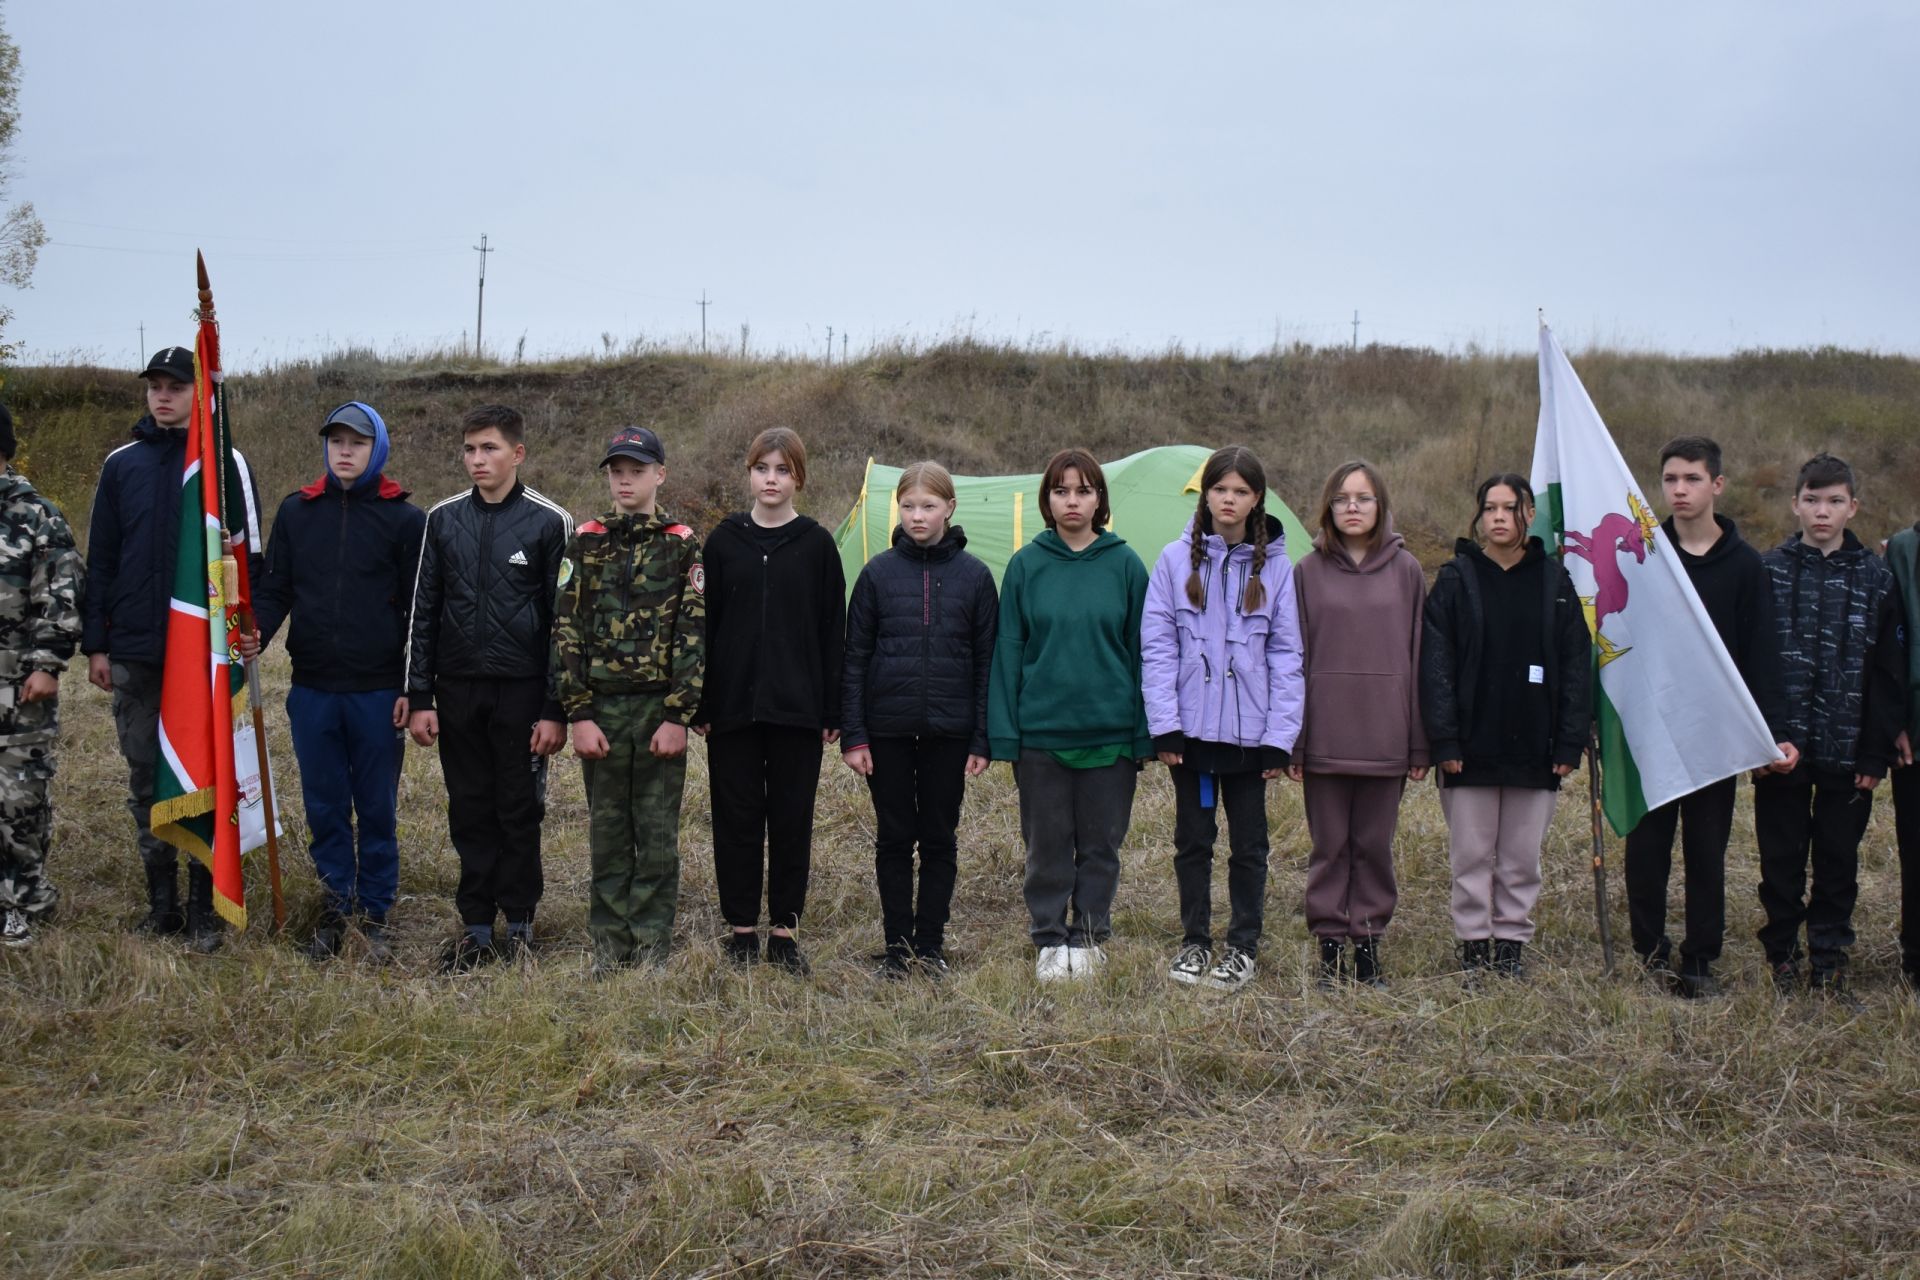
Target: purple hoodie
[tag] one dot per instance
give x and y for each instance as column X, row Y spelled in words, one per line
column 1215, row 672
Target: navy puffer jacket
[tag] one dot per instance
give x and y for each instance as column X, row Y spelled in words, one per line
column 920, row 632
column 132, row 537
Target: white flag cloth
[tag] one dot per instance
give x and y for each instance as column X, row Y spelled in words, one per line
column 1673, row 713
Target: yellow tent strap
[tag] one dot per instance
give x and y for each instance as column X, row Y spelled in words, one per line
column 865, row 554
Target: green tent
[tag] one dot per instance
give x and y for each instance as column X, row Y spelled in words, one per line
column 1153, row 495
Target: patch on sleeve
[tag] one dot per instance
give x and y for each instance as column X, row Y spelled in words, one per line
column 680, row 531
column 566, row 572
column 591, row 526
column 697, row 579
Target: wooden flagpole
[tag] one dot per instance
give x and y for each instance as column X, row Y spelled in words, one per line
column 1599, row 857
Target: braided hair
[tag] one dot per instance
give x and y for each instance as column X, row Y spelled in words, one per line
column 1234, row 460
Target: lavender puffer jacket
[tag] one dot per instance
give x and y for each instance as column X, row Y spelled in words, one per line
column 1214, row 671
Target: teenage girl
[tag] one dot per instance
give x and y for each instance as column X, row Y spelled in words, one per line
column 1361, row 599
column 920, row 631
column 1064, row 705
column 775, row 619
column 1220, row 670
column 1505, row 693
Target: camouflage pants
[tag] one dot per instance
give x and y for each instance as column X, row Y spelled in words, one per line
column 136, row 719
column 26, row 825
column 634, row 799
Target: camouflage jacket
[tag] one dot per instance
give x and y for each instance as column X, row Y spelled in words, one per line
column 41, row 574
column 630, row 615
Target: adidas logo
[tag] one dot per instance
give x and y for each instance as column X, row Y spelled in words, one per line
column 518, row 557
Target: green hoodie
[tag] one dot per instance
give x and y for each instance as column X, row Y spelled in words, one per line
column 1066, row 663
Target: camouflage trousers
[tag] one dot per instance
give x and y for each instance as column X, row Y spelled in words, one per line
column 26, row 827
column 136, row 719
column 633, row 797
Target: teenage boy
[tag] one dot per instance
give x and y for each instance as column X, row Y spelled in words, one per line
column 477, row 667
column 1842, row 670
column 132, row 536
column 1731, row 582
column 40, row 576
column 341, row 564
column 629, row 637
column 1903, row 559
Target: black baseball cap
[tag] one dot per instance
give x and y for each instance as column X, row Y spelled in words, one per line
column 637, row 443
column 354, row 418
column 175, row 362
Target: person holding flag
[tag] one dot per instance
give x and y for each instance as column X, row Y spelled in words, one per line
column 133, row 541
column 1672, row 709
column 1726, row 573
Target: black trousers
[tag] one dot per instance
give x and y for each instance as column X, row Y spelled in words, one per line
column 1906, row 830
column 763, row 779
column 1705, row 820
column 1244, row 797
column 496, row 793
column 916, row 784
column 1818, row 816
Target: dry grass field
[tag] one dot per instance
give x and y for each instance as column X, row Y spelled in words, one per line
column 251, row 1114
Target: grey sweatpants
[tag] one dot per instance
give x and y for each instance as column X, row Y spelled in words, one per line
column 1494, row 836
column 1073, row 821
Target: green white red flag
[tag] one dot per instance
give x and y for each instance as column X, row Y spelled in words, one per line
column 197, row 792
column 1672, row 711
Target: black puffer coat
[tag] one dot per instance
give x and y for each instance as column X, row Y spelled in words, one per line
column 1450, row 658
column 920, row 632
column 483, row 600
column 1842, row 663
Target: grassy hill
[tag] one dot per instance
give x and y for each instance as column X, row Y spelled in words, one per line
column 250, row 1114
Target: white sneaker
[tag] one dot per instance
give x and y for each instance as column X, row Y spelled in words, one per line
column 1191, row 965
column 1052, row 965
column 1086, row 961
column 1233, row 972
column 17, row 931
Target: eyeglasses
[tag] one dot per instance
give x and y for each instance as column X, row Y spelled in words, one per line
column 1360, row 503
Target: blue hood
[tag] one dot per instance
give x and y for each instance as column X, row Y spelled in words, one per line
column 376, row 462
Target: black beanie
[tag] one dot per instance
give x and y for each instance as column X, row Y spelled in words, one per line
column 6, row 433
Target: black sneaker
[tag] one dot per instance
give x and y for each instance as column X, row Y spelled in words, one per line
column 465, row 954
column 373, row 934
column 1508, row 959
column 1696, row 986
column 784, row 952
column 931, row 962
column 895, row 964
column 327, row 936
column 1786, row 978
column 743, row 948
column 1476, row 957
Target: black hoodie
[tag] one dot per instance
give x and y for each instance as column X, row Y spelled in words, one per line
column 776, row 621
column 1732, row 583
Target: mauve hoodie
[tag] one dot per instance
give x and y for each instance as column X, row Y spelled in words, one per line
column 1360, row 626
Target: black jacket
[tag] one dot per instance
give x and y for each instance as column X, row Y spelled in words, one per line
column 920, row 631
column 1450, row 658
column 483, row 596
column 1733, row 585
column 1842, row 663
column 132, row 537
column 342, row 563
column 776, row 622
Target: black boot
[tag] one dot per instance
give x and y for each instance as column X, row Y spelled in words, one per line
column 163, row 903
column 1366, row 963
column 1476, row 956
column 327, row 938
column 203, row 926
column 1506, row 958
column 1332, row 963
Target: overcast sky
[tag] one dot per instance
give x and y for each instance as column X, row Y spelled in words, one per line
column 1690, row 177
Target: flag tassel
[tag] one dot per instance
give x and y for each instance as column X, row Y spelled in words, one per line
column 1599, row 857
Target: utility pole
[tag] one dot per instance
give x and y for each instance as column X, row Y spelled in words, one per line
column 480, row 314
column 704, row 302
column 143, row 343
column 843, row 346
column 829, row 344
column 1356, row 330
column 743, row 339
